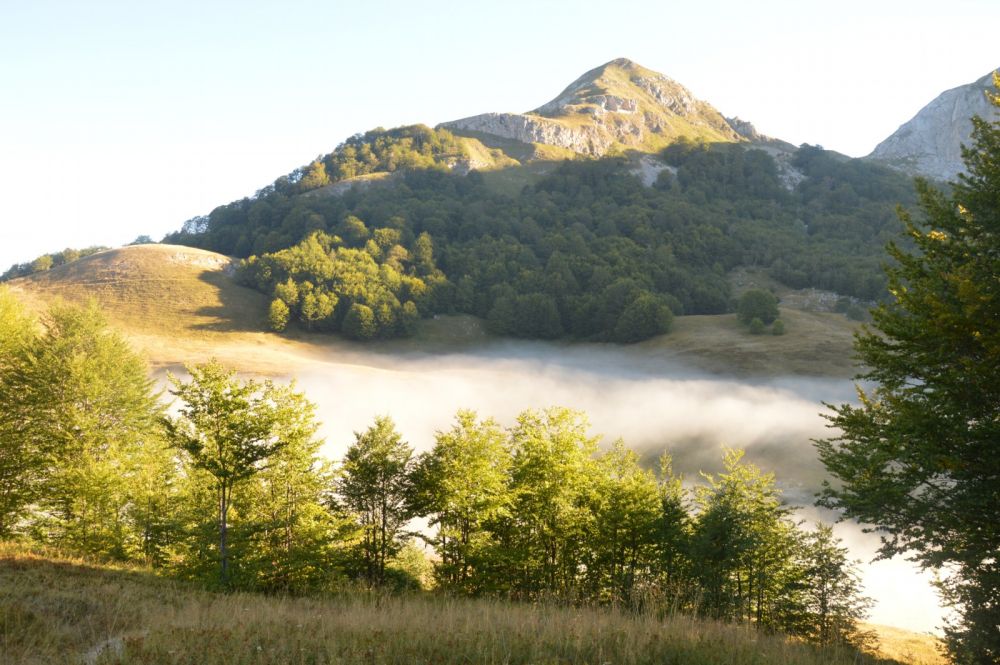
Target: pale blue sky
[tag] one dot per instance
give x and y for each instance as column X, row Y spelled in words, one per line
column 126, row 118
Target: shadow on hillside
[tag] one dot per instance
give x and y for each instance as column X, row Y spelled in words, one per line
column 240, row 309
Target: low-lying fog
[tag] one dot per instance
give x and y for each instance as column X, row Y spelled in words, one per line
column 654, row 404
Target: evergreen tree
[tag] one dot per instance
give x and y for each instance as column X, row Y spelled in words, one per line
column 918, row 456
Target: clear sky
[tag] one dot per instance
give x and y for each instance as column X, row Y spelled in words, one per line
column 126, row 118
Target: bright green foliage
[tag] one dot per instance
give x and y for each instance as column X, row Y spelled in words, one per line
column 277, row 315
column 628, row 516
column 86, row 419
column 674, row 533
column 463, row 484
column 832, row 592
column 744, row 544
column 228, row 428
column 757, row 304
column 364, row 293
column 288, row 538
column 314, row 177
column 552, row 478
column 375, row 486
column 359, row 322
column 22, row 463
column 918, row 456
column 42, row 263
column 380, row 150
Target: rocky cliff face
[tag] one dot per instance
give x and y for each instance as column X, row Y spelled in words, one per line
column 618, row 105
column 929, row 145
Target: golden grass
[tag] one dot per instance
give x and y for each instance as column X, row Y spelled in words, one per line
column 907, row 647
column 814, row 344
column 178, row 305
column 62, row 610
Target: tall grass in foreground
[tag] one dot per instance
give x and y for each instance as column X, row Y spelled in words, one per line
column 66, row 611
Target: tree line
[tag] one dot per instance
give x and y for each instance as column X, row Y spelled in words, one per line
column 585, row 251
column 229, row 488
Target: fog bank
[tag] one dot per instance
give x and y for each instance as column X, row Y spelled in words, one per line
column 655, row 404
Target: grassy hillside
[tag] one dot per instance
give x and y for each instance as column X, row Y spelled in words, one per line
column 61, row 610
column 179, row 304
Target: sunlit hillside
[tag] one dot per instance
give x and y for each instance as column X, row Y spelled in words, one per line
column 180, row 304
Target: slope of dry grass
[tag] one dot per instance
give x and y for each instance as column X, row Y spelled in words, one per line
column 61, row 610
column 180, row 305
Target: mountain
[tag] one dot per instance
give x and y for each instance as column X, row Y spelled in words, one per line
column 617, row 106
column 930, row 144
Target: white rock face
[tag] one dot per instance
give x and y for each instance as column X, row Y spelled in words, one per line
column 930, row 144
column 585, row 139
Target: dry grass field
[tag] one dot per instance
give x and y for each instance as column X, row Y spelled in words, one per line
column 56, row 610
column 179, row 305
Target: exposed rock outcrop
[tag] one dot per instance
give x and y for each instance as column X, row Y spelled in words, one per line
column 619, row 105
column 930, row 143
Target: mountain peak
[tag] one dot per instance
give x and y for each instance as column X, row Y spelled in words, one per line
column 619, row 105
column 930, row 143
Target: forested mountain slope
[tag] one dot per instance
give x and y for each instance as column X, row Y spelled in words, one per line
column 585, row 250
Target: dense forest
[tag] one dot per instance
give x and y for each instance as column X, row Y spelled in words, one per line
column 229, row 489
column 584, row 251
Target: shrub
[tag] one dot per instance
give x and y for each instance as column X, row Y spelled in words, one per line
column 757, row 304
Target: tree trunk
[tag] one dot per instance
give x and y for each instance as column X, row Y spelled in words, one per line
column 223, row 551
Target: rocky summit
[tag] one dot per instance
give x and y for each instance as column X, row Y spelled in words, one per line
column 617, row 106
column 930, row 144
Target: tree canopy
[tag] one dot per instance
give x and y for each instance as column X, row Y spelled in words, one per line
column 583, row 251
column 918, row 457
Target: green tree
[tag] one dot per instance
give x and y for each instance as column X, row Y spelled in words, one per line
column 228, row 428
column 757, row 304
column 756, row 326
column 359, row 323
column 375, row 486
column 21, row 460
column 552, row 473
column 86, row 406
column 645, row 317
column 744, row 543
column 42, row 263
column 917, row 457
column 464, row 486
column 628, row 514
column 293, row 540
column 833, row 600
column 277, row 315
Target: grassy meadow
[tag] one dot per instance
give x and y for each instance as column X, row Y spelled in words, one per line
column 55, row 609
